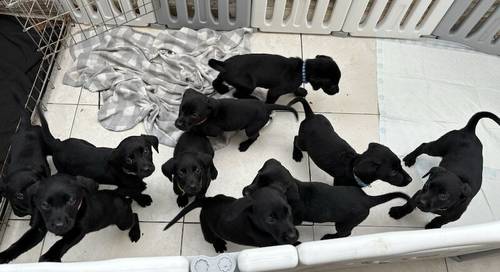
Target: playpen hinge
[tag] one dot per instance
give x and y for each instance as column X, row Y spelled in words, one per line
column 341, row 34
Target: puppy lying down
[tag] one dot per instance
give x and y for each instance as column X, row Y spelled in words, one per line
column 71, row 207
column 318, row 202
column 335, row 156
column 26, row 165
column 124, row 166
column 265, row 219
column 453, row 184
column 192, row 167
column 212, row 117
column 278, row 74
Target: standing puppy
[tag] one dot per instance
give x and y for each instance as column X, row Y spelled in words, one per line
column 451, row 186
column 26, row 165
column 335, row 156
column 71, row 207
column 318, row 202
column 124, row 166
column 265, row 219
column 278, row 74
column 192, row 167
column 212, row 117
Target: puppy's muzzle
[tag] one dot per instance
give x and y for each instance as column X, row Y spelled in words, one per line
column 180, row 124
column 331, row 91
column 146, row 171
column 291, row 237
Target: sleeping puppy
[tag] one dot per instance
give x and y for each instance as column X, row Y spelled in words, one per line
column 265, row 219
column 451, row 186
column 318, row 202
column 212, row 117
column 192, row 167
column 278, row 74
column 26, row 164
column 124, row 166
column 335, row 156
column 71, row 207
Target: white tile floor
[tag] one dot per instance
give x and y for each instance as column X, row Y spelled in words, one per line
column 72, row 112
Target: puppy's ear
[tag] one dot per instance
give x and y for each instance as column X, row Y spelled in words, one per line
column 433, row 171
column 189, row 92
column 152, row 141
column 168, row 169
column 366, row 167
column 87, row 184
column 374, row 145
column 243, row 205
column 213, row 105
column 323, row 57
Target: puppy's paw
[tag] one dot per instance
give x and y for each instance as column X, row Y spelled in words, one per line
column 397, row 212
column 220, row 246
column 301, row 92
column 297, row 243
column 4, row 258
column 433, row 225
column 244, row 146
column 143, row 200
column 182, row 201
column 297, row 155
column 409, row 160
column 46, row 258
column 329, row 236
column 134, row 234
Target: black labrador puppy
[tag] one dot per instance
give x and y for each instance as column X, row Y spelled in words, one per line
column 278, row 74
column 71, row 207
column 451, row 186
column 26, row 165
column 192, row 167
column 265, row 219
column 318, row 202
column 212, row 117
column 124, row 166
column 335, row 156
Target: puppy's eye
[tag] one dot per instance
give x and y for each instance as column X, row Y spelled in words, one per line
column 45, row 205
column 128, row 161
column 393, row 173
column 146, row 151
column 271, row 219
column 197, row 170
column 72, row 201
column 195, row 115
column 443, row 196
column 182, row 172
column 20, row 196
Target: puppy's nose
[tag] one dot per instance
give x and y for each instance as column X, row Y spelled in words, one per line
column 59, row 224
column 423, row 202
column 292, row 236
column 148, row 169
column 179, row 123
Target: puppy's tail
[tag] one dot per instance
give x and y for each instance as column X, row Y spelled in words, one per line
column 217, row 65
column 377, row 200
column 47, row 137
column 305, row 104
column 197, row 203
column 273, row 107
column 471, row 125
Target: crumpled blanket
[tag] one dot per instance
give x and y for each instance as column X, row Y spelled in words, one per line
column 143, row 77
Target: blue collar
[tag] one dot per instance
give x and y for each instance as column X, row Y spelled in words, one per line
column 361, row 183
column 304, row 79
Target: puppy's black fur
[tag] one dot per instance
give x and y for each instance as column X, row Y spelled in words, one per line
column 451, row 186
column 335, row 156
column 211, row 117
column 318, row 202
column 265, row 219
column 192, row 167
column 278, row 74
column 71, row 207
column 26, row 164
column 124, row 166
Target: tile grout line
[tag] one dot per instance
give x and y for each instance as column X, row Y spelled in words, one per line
column 446, row 264
column 182, row 236
column 74, row 116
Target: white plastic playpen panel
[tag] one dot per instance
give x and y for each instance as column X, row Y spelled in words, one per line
column 110, row 12
column 475, row 23
column 408, row 19
column 306, row 16
column 177, row 14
